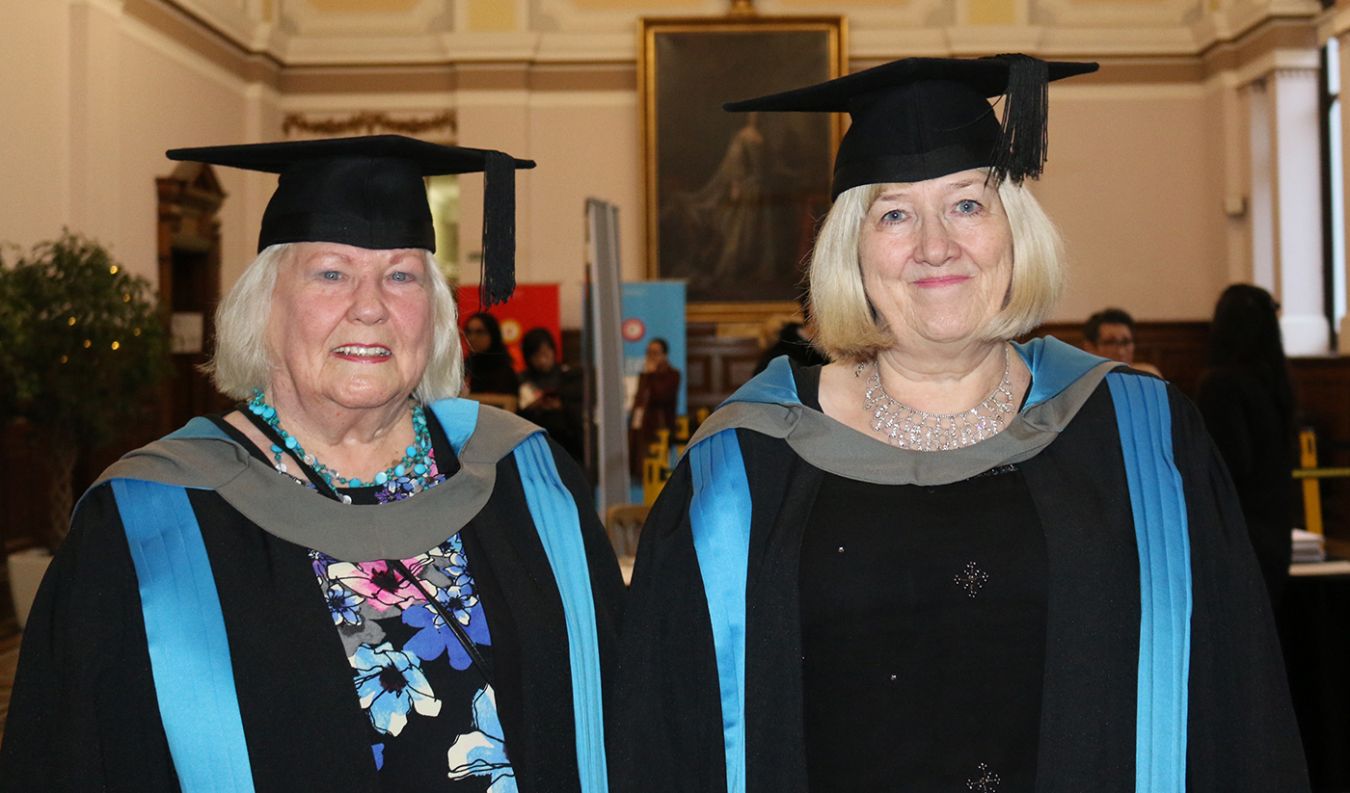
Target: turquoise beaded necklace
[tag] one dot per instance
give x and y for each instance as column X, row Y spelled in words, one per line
column 415, row 462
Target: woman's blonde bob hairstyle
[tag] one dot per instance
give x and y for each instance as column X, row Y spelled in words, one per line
column 848, row 329
column 242, row 361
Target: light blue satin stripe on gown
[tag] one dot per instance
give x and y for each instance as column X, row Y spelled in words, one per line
column 720, row 520
column 555, row 517
column 1054, row 367
column 185, row 635
column 1144, row 418
column 458, row 418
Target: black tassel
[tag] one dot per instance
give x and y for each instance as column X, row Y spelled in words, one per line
column 498, row 280
column 1022, row 144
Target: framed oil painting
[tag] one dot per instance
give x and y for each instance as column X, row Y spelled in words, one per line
column 733, row 199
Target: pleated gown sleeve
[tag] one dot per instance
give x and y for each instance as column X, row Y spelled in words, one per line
column 1242, row 734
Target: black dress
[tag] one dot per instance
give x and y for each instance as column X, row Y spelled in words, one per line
column 928, row 629
column 931, row 634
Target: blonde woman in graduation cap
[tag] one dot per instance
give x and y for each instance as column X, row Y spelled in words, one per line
column 355, row 581
column 947, row 561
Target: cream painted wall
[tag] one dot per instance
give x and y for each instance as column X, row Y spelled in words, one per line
column 102, row 97
column 494, row 119
column 242, row 214
column 583, row 145
column 34, row 92
column 1138, row 201
column 168, row 99
column 1226, row 155
column 586, row 145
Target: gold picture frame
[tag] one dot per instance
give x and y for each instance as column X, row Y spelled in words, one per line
column 733, row 199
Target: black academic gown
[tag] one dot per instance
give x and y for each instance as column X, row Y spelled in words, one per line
column 84, row 715
column 1241, row 734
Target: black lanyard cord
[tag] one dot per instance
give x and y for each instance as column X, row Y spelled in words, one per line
column 450, row 621
column 324, row 487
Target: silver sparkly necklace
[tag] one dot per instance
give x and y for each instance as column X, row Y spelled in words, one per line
column 911, row 428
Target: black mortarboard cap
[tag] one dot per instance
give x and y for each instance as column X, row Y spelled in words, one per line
column 369, row 192
column 921, row 118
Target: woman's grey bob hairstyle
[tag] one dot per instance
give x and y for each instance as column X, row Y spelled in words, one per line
column 242, row 362
column 847, row 328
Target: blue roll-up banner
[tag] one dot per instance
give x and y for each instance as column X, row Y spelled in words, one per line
column 652, row 310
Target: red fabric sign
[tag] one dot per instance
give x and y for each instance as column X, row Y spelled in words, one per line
column 532, row 306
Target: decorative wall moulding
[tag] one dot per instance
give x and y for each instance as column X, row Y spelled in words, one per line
column 1122, row 42
column 1298, row 73
column 1279, row 63
column 1151, row 13
column 1337, row 23
column 386, row 18
column 581, row 32
column 228, row 18
column 369, row 122
column 1233, row 24
column 973, row 41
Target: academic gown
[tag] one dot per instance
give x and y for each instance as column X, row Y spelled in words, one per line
column 84, row 716
column 1236, row 728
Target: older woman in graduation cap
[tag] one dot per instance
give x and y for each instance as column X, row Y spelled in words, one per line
column 946, row 561
column 355, row 581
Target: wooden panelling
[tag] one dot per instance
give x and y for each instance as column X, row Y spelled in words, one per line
column 716, row 365
column 24, row 496
column 1176, row 348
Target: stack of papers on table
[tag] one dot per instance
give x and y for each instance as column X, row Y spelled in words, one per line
column 1308, row 547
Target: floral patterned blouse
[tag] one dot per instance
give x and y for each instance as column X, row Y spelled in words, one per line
column 433, row 716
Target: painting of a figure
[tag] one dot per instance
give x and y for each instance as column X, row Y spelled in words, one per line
column 733, row 198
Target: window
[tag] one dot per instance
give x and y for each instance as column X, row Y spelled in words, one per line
column 443, row 196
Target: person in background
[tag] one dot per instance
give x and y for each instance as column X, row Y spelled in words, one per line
column 946, row 561
column 1248, row 404
column 1110, row 334
column 654, row 404
column 356, row 581
column 551, row 392
column 794, row 341
column 489, row 372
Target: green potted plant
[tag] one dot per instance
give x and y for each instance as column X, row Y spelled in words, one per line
column 85, row 347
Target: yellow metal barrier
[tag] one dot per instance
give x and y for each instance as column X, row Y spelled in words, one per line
column 656, row 464
column 1312, row 494
column 1311, row 476
column 1322, row 473
column 656, row 467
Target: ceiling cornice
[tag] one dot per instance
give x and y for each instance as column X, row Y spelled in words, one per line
column 258, row 49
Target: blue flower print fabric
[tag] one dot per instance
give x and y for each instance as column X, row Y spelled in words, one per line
column 433, row 718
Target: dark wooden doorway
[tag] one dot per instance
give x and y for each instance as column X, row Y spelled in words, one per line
column 189, row 284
